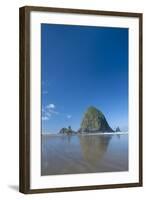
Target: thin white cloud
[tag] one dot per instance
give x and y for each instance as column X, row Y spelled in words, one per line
column 48, row 114
column 49, row 111
column 69, row 116
column 53, row 112
column 51, row 105
column 45, row 118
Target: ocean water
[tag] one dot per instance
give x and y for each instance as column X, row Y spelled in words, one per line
column 75, row 154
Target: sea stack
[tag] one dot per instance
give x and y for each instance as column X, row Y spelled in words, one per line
column 94, row 121
column 118, row 129
column 67, row 131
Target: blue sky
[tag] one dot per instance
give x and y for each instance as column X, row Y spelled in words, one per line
column 83, row 66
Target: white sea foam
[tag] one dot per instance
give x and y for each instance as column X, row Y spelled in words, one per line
column 84, row 134
column 111, row 133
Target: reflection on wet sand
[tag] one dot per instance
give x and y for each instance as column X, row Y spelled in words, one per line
column 93, row 148
column 83, row 154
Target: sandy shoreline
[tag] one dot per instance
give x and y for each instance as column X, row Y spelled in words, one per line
column 85, row 134
column 64, row 154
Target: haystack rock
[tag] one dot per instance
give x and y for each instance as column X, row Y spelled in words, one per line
column 94, row 121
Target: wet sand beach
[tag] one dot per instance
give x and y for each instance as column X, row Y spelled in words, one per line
column 62, row 154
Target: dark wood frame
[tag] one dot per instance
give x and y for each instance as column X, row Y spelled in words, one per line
column 24, row 99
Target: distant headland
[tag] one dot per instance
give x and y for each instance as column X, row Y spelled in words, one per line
column 93, row 121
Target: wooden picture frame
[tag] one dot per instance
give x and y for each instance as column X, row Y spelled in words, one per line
column 25, row 98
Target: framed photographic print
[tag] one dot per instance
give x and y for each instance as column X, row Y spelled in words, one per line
column 80, row 99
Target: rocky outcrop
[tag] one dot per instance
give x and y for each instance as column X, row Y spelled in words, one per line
column 67, row 131
column 118, row 129
column 94, row 121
